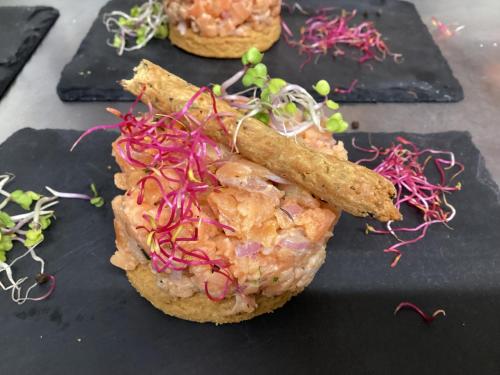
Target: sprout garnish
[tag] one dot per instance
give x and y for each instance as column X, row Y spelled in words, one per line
column 28, row 228
column 426, row 317
column 328, row 33
column 145, row 22
column 287, row 108
column 181, row 158
column 401, row 164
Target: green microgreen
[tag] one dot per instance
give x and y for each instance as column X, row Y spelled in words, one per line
column 28, row 228
column 133, row 30
column 287, row 108
column 96, row 200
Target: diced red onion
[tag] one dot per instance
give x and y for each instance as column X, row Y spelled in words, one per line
column 295, row 241
column 248, row 248
column 293, row 209
column 275, row 178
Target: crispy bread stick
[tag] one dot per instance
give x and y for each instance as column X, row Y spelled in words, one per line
column 342, row 184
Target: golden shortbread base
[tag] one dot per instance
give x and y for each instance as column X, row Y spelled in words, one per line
column 198, row 307
column 226, row 46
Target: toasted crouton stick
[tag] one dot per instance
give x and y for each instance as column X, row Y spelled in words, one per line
column 342, row 184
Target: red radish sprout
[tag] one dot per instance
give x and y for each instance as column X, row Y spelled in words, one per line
column 401, row 164
column 426, row 317
column 351, row 87
column 327, row 32
column 174, row 152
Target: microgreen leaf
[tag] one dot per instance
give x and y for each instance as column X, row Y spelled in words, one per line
column 332, row 105
column 248, row 78
column 44, row 222
column 33, row 237
column 97, row 201
column 93, row 189
column 252, row 56
column 161, row 32
column 259, row 82
column 135, row 11
column 117, row 41
column 336, row 123
column 6, row 242
column 291, row 108
column 262, row 117
column 265, row 95
column 5, row 220
column 276, row 84
column 34, row 196
column 122, row 21
column 322, row 87
column 217, row 90
column 21, row 198
column 261, row 70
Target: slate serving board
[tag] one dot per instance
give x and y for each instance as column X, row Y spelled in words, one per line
column 424, row 76
column 343, row 323
column 21, row 31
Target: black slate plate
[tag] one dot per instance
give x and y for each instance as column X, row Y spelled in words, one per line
column 343, row 323
column 21, row 31
column 424, row 76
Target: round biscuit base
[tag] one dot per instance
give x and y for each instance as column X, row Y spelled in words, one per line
column 226, row 46
column 198, row 307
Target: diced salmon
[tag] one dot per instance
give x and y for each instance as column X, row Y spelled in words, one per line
column 317, row 223
column 207, row 25
column 240, row 11
column 196, row 9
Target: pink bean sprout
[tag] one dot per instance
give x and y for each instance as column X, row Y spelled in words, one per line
column 401, row 164
column 327, row 32
column 426, row 317
column 174, row 152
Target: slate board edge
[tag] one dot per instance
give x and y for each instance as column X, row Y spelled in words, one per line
column 460, row 95
column 25, row 57
column 110, row 95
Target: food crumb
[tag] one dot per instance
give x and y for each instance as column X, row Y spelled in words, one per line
column 109, row 167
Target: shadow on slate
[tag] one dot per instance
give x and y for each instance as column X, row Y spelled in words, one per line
column 424, row 76
column 343, row 323
column 21, row 30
